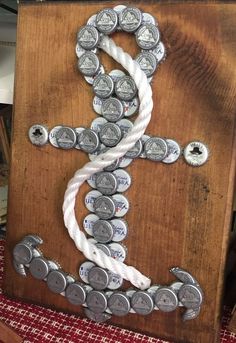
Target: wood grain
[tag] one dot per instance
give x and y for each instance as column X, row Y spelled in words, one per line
column 179, row 215
column 8, row 335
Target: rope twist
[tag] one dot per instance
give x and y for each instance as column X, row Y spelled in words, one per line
column 103, row 160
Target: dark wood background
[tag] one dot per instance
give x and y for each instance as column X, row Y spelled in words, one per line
column 179, row 216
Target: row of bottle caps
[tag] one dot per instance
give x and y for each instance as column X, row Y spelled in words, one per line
column 95, row 295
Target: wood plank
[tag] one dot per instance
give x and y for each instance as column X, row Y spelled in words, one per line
column 181, row 213
column 8, row 335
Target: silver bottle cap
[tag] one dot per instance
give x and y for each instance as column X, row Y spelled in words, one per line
column 196, row 153
column 110, row 134
column 125, row 125
column 76, row 293
column 88, row 37
column 125, row 88
column 148, row 19
column 136, row 151
column 96, row 301
column 91, row 180
column 183, row 275
column 90, row 79
column 118, row 251
column 89, row 64
column 120, row 229
column 38, row 135
column 97, row 104
column 191, row 314
column 97, row 317
column 106, row 183
column 174, row 151
column 52, row 136
column 119, row 304
column 19, row 268
column 176, row 285
column 116, row 74
column 131, row 107
column 107, row 21
column 57, row 281
column 104, row 248
column 40, row 267
column 116, row 281
column 92, row 20
column 123, row 179
column 88, row 223
column 147, row 62
column 90, row 199
column 97, row 124
column 130, row 292
column 113, row 166
column 33, row 240
column 190, row 296
column 156, row 149
column 159, row 52
column 147, row 36
column 152, row 290
column 66, row 138
column 130, row 19
column 142, row 303
column 104, row 207
column 144, row 138
column 80, row 51
column 78, row 131
column 108, row 294
column 112, row 109
column 84, row 270
column 125, row 162
column 119, row 8
column 88, row 141
column 121, row 205
column 98, row 278
column 166, row 299
column 103, row 231
column 103, row 86
column 23, row 253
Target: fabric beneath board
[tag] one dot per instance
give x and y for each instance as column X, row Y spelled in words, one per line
column 37, row 324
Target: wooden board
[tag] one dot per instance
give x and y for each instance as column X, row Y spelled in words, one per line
column 8, row 335
column 179, row 215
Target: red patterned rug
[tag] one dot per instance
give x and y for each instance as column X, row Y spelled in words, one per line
column 37, row 324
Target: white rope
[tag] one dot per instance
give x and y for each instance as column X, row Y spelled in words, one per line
column 89, row 250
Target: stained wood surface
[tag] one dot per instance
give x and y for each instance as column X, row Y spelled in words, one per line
column 8, row 335
column 179, row 215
